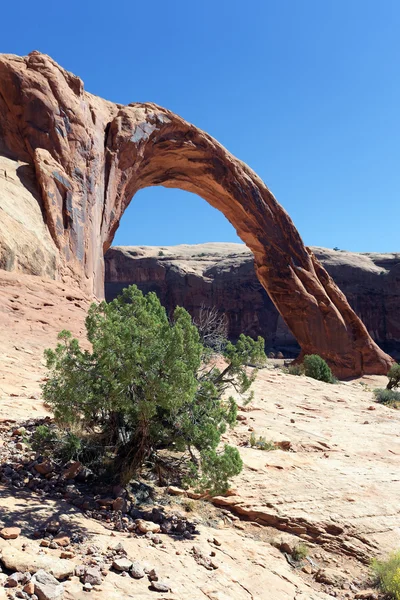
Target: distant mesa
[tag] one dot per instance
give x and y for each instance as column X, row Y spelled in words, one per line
column 71, row 162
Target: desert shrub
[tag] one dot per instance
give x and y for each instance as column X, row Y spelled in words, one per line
column 394, row 377
column 387, row 573
column 188, row 505
column 261, row 443
column 161, row 253
column 70, row 447
column 148, row 385
column 213, row 327
column 316, row 367
column 295, row 370
column 389, row 397
column 300, row 551
column 42, row 438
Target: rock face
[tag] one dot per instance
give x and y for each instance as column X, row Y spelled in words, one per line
column 223, row 275
column 91, row 156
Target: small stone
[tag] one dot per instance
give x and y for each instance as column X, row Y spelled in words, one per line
column 371, row 407
column 119, row 549
column 44, row 468
column 87, row 587
column 72, row 470
column 10, row 533
column 159, row 586
column 47, row 587
column 45, row 543
column 146, row 526
column 216, row 542
column 122, row 564
column 62, row 539
column 152, row 575
column 175, row 491
column 367, row 595
column 137, row 571
column 307, row 569
column 330, row 577
column 19, row 431
column 29, row 588
column 79, row 570
column 67, row 554
column 14, row 580
column 120, row 504
column 92, row 576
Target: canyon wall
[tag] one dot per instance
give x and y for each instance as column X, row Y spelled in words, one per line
column 223, row 275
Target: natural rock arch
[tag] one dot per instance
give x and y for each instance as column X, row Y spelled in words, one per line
column 91, row 157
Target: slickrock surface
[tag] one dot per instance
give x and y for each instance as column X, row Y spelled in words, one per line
column 337, row 484
column 222, row 275
column 332, row 483
column 91, row 156
column 32, row 312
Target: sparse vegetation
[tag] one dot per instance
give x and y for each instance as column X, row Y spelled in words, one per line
column 261, row 443
column 188, row 505
column 295, row 369
column 161, row 253
column 149, row 386
column 388, row 397
column 213, row 327
column 43, row 437
column 387, row 574
column 316, row 367
column 300, row 551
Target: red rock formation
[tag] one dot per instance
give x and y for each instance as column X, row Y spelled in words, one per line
column 92, row 156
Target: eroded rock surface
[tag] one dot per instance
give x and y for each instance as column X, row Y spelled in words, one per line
column 222, row 275
column 91, row 156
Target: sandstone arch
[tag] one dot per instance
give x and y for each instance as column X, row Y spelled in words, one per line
column 91, row 156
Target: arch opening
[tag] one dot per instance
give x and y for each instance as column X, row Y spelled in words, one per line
column 175, row 244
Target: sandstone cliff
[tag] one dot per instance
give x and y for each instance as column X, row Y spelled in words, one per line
column 222, row 275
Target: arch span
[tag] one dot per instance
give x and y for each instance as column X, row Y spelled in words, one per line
column 92, row 156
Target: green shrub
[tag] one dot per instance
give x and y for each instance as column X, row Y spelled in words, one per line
column 300, row 551
column 394, row 377
column 295, row 370
column 316, row 367
column 261, row 443
column 42, row 438
column 148, row 386
column 70, row 447
column 387, row 573
column 389, row 397
column 161, row 253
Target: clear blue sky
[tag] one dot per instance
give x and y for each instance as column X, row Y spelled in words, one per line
column 307, row 92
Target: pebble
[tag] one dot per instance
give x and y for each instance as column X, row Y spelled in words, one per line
column 122, row 564
column 159, row 586
column 137, row 571
column 10, row 533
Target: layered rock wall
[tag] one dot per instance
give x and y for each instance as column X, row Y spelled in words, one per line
column 222, row 275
